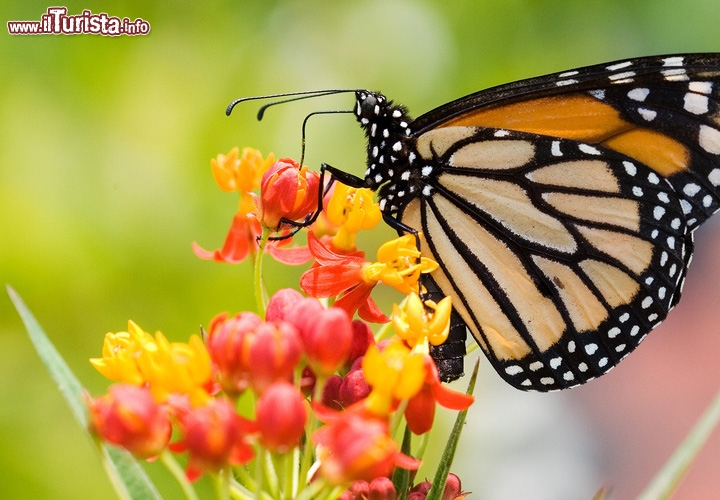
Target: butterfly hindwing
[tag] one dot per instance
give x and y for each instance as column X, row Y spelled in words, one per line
column 558, row 255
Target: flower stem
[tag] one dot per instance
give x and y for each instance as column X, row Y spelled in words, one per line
column 260, row 292
column 222, row 484
column 176, row 470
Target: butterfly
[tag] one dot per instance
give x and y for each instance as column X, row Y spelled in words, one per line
column 560, row 209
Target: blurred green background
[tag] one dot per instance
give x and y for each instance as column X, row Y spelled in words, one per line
column 104, row 183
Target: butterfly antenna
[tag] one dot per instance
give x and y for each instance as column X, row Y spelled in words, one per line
column 304, row 124
column 292, row 96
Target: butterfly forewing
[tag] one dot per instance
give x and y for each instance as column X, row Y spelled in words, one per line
column 559, row 208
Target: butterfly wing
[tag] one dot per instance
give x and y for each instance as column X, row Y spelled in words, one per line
column 561, row 208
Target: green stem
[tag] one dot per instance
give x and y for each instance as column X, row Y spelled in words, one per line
column 168, row 460
column 222, row 484
column 260, row 292
column 665, row 482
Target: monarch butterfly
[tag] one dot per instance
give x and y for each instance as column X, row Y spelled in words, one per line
column 561, row 208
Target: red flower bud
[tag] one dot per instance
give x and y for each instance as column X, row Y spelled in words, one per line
column 381, row 488
column 331, row 392
column 128, row 416
column 248, row 351
column 281, row 417
column 326, row 335
column 355, row 447
column 354, row 388
column 287, row 191
column 215, row 437
column 281, row 304
column 226, row 343
column 362, row 339
column 274, row 350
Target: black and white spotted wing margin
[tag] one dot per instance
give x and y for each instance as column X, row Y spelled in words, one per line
column 564, row 254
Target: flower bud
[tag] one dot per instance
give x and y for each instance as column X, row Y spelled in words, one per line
column 362, row 339
column 281, row 304
column 353, row 388
column 128, row 416
column 358, row 447
column 281, row 417
column 215, row 437
column 226, row 343
column 326, row 334
column 274, row 351
column 381, row 488
column 331, row 392
column 287, row 191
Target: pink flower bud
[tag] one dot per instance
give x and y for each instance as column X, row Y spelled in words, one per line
column 362, row 339
column 281, row 417
column 274, row 351
column 128, row 416
column 326, row 335
column 226, row 343
column 215, row 436
column 381, row 488
column 353, row 388
column 281, row 304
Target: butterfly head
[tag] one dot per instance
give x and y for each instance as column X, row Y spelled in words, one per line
column 389, row 138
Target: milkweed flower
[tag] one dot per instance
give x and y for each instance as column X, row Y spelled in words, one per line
column 250, row 352
column 422, row 320
column 351, row 210
column 235, row 172
column 287, row 191
column 215, row 436
column 166, row 367
column 241, row 239
column 420, row 410
column 129, row 416
column 356, row 447
column 394, row 373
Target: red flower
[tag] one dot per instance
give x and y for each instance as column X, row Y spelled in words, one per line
column 420, row 411
column 325, row 333
column 240, row 240
column 128, row 416
column 215, row 436
column 338, row 274
column 246, row 350
column 281, row 417
column 287, row 191
column 355, row 447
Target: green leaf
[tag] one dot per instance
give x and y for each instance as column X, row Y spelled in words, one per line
column 125, row 473
column 441, row 474
column 665, row 482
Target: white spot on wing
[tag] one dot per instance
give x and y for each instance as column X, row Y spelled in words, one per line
column 587, row 148
column 555, row 148
column 714, row 177
column 695, row 103
column 562, row 83
column 638, row 94
column 701, row 87
column 622, row 77
column 691, row 189
column 615, row 67
column 648, row 114
column 709, row 139
column 673, row 61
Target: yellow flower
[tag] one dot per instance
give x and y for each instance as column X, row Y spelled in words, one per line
column 137, row 358
column 399, row 265
column 352, row 209
column 240, row 174
column 395, row 373
column 415, row 323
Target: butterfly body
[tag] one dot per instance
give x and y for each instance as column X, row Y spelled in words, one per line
column 559, row 208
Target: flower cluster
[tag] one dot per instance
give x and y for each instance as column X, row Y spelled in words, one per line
column 300, row 382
